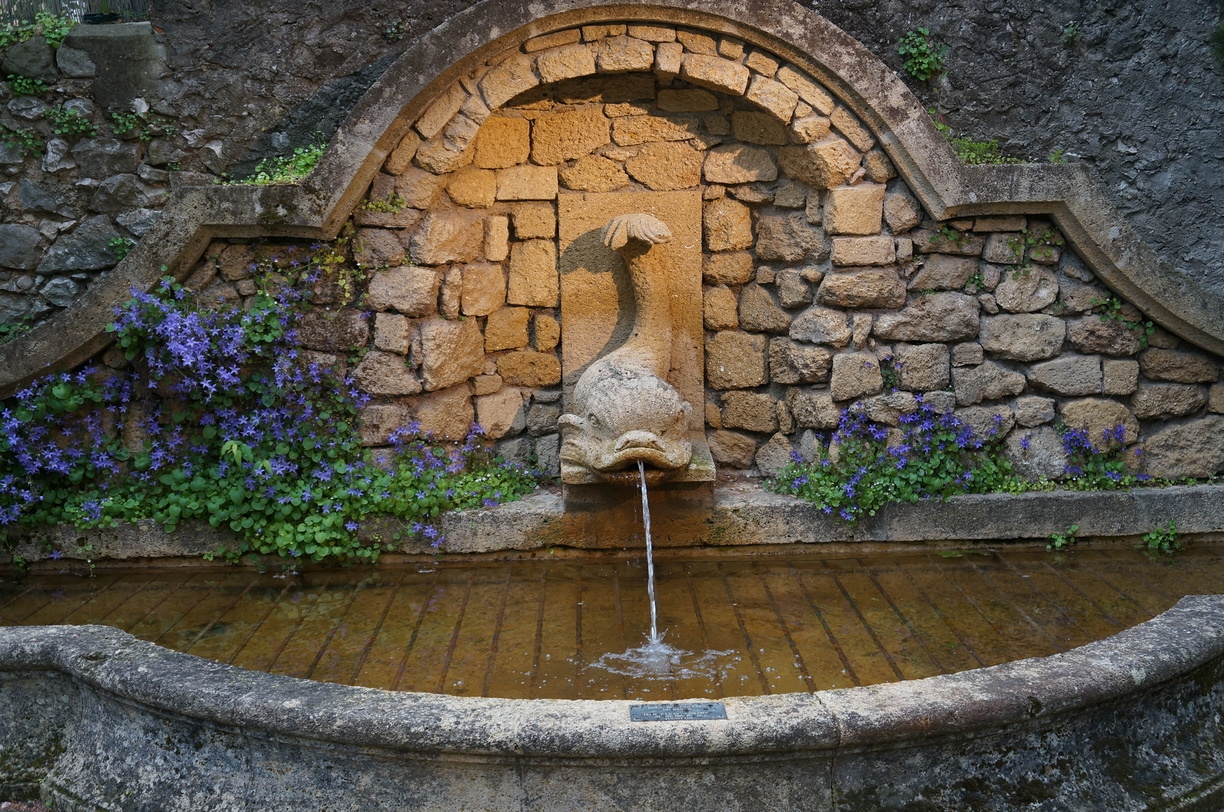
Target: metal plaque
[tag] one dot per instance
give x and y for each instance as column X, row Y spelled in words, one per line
column 678, row 712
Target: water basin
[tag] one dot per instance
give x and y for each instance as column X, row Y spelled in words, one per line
column 559, row 628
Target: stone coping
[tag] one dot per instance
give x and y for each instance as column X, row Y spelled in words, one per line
column 733, row 515
column 317, row 206
column 931, row 738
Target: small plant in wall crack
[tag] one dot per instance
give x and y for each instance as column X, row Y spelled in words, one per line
column 1063, row 540
column 25, row 86
column 66, row 121
column 1217, row 43
column 1072, row 32
column 1163, row 539
column 27, row 142
column 287, row 169
column 122, row 246
column 972, row 152
column 921, row 57
column 1113, row 309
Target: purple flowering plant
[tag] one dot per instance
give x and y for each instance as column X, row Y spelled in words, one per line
column 866, row 464
column 218, row 418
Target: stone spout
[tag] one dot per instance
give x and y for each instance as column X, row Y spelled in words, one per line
column 624, row 408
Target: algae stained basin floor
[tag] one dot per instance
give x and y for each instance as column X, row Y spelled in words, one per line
column 735, row 625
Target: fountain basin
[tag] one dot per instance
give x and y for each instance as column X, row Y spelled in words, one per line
column 96, row 719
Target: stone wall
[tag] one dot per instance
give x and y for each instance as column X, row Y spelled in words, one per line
column 824, row 282
column 79, row 190
column 1137, row 94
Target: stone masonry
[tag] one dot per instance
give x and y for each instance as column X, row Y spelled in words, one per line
column 825, row 284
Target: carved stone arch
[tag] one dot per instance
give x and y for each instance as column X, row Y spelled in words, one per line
column 317, row 206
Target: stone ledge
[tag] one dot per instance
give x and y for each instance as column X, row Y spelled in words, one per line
column 740, row 514
column 1145, row 698
column 316, row 207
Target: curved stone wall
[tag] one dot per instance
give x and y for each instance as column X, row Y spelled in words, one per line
column 845, row 251
column 95, row 719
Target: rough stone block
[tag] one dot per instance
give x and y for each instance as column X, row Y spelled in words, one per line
column 1027, row 290
column 1179, row 367
column 594, row 173
column 1091, row 335
column 1215, row 399
column 417, row 188
column 635, row 130
column 385, row 374
column 807, row 129
column 1037, row 454
column 855, row 374
column 901, row 211
column 1098, row 418
column 687, row 100
column 547, row 332
column 719, row 309
column 760, row 313
column 503, row 143
column 821, row 325
column 791, row 362
column 813, row 409
column 529, row 368
column 497, row 238
column 565, row 62
column 378, row 422
column 1191, row 450
column 862, row 289
column 1068, row 375
column 735, row 360
column 736, row 163
column 824, row 164
column 715, row 73
column 653, row 33
column 864, row 251
column 773, row 97
column 441, row 111
column 625, row 54
column 668, row 58
column 447, row 414
column 451, row 352
column 666, row 166
column 473, row 188
column 732, row 449
column 511, row 77
column 533, row 274
column 1033, row 410
column 560, row 137
column 986, row 381
column 936, row 317
column 987, row 421
column 728, row 225
column 400, row 159
column 749, row 410
column 534, row 221
column 377, row 248
column 447, row 236
column 855, row 210
column 393, row 333
column 850, row 127
column 998, row 249
column 484, row 289
column 501, row 414
column 506, row 329
column 333, row 330
column 553, row 40
column 922, row 367
column 527, row 182
column 410, row 290
column 944, row 272
column 1119, row 377
column 1023, row 337
column 731, row 268
column 758, row 128
column 793, row 285
column 807, row 90
column 789, row 237
column 1162, row 400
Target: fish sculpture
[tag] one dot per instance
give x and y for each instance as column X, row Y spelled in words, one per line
column 623, row 408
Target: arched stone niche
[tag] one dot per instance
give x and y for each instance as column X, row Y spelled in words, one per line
column 846, row 256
